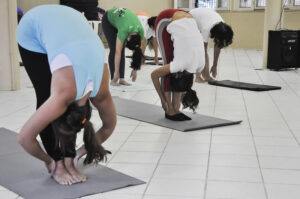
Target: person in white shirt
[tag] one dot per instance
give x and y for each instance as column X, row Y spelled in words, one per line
column 211, row 25
column 182, row 50
column 149, row 34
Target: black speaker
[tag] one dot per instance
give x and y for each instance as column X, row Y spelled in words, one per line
column 283, row 49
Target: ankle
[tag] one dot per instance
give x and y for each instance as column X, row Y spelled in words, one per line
column 69, row 162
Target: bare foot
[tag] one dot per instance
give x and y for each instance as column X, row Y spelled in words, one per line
column 199, row 79
column 207, row 78
column 123, row 82
column 61, row 175
column 113, row 83
column 77, row 176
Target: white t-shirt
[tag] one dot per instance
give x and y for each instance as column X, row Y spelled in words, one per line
column 188, row 46
column 148, row 32
column 206, row 19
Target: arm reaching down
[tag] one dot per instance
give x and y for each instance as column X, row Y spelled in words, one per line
column 106, row 108
column 156, row 75
column 63, row 92
column 119, row 47
column 213, row 69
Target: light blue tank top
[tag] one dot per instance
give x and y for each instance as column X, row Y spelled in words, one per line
column 57, row 29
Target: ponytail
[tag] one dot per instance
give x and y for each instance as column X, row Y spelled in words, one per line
column 190, row 99
column 137, row 58
column 95, row 151
column 69, row 124
column 134, row 44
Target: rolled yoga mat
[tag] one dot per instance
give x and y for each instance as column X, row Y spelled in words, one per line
column 155, row 115
column 243, row 85
column 28, row 177
column 153, row 63
column 146, row 57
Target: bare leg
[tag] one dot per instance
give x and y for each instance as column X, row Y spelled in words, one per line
column 171, row 110
column 176, row 101
column 77, row 176
column 61, row 175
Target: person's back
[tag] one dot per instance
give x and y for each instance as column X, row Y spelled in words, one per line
column 48, row 27
column 206, row 18
column 188, row 45
column 57, row 29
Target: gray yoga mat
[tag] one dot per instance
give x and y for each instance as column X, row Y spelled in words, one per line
column 243, row 85
column 133, row 88
column 28, row 177
column 155, row 115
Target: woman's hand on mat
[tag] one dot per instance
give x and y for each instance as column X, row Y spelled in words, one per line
column 213, row 71
column 133, row 75
column 50, row 166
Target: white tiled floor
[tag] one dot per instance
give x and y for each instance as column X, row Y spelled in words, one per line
column 259, row 159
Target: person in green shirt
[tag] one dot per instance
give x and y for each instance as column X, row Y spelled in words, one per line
column 123, row 28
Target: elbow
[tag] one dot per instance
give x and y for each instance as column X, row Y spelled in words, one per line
column 109, row 129
column 21, row 140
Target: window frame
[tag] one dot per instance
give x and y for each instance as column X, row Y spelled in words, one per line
column 291, row 5
column 236, row 6
column 191, row 4
column 259, row 7
column 224, row 8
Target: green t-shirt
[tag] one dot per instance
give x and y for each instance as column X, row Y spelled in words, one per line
column 125, row 21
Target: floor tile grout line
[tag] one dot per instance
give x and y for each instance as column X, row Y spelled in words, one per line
column 123, row 143
column 210, row 146
column 287, row 84
column 255, row 147
column 158, row 162
column 278, row 74
column 11, row 113
column 277, row 107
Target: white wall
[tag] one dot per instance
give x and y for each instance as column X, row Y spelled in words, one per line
column 9, row 66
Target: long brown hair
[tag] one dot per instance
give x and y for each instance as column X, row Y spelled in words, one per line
column 70, row 123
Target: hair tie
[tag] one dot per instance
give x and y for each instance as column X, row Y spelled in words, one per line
column 137, row 46
column 83, row 121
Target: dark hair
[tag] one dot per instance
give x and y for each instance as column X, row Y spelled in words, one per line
column 190, row 99
column 222, row 34
column 70, row 123
column 151, row 21
column 150, row 43
column 183, row 82
column 134, row 44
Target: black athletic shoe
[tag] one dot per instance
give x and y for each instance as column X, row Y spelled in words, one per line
column 176, row 117
column 184, row 117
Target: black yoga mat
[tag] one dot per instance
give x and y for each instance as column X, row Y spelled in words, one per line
column 243, row 85
column 155, row 115
column 153, row 63
column 146, row 58
column 28, row 177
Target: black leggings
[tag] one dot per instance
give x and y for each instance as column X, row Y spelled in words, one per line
column 110, row 33
column 38, row 70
